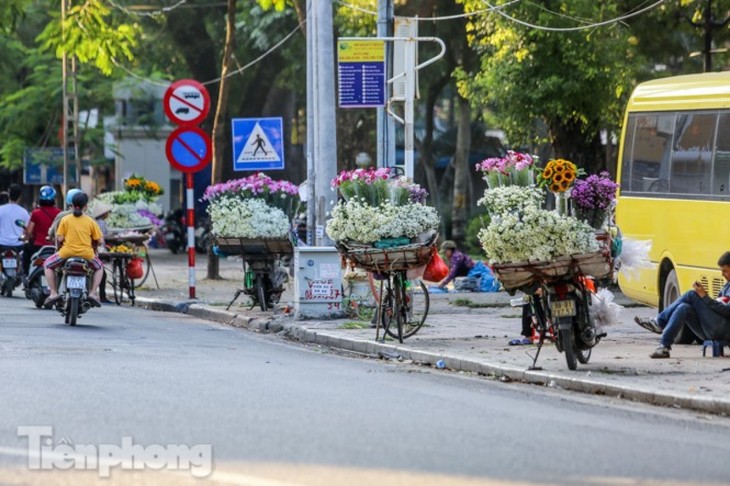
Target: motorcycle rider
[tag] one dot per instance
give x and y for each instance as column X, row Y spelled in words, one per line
column 69, row 203
column 41, row 220
column 77, row 235
column 10, row 232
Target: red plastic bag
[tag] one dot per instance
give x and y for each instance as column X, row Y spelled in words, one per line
column 436, row 270
column 134, row 268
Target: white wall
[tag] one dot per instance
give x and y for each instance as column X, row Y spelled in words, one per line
column 142, row 152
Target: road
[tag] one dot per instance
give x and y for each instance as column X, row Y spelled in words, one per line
column 277, row 413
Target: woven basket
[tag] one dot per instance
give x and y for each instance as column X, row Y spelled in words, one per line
column 254, row 248
column 387, row 260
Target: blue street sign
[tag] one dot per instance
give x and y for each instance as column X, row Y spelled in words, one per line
column 188, row 149
column 361, row 73
column 258, row 144
column 45, row 166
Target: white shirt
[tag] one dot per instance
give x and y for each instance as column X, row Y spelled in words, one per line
column 10, row 233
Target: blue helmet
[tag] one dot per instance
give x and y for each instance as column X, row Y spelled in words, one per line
column 47, row 193
column 70, row 196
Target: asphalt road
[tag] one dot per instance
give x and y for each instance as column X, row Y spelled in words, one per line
column 278, row 413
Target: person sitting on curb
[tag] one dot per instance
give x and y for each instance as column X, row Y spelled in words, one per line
column 77, row 235
column 459, row 263
column 708, row 318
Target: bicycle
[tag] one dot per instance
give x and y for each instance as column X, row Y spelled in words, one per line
column 399, row 300
column 120, row 281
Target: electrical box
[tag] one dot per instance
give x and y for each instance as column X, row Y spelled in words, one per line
column 317, row 283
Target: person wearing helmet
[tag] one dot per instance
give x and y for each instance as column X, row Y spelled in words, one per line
column 10, row 232
column 459, row 263
column 78, row 236
column 69, row 203
column 41, row 219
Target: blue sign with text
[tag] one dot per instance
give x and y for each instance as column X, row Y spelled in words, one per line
column 45, row 166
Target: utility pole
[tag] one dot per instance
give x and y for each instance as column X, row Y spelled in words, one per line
column 69, row 88
column 324, row 126
column 311, row 207
column 385, row 125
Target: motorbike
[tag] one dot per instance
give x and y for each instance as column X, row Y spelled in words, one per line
column 74, row 285
column 11, row 275
column 174, row 231
column 36, row 287
column 561, row 313
column 202, row 235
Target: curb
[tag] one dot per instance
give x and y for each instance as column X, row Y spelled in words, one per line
column 300, row 332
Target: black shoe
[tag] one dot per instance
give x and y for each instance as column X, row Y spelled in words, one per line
column 660, row 353
column 648, row 324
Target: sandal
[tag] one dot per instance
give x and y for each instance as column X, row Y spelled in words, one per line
column 93, row 301
column 48, row 303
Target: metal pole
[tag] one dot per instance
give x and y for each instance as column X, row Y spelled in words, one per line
column 64, row 102
column 191, row 233
column 383, row 121
column 325, row 142
column 311, row 214
column 410, row 82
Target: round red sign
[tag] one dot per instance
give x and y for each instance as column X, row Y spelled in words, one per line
column 186, row 102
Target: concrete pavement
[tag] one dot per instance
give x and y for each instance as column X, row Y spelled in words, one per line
column 471, row 339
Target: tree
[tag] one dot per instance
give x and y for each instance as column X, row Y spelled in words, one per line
column 573, row 82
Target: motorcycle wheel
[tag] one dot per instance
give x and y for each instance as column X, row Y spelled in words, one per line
column 566, row 339
column 583, row 355
column 73, row 311
column 8, row 288
column 261, row 292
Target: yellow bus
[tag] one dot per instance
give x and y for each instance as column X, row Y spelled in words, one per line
column 674, row 176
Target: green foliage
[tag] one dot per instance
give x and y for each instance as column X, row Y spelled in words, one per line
column 574, row 82
column 475, row 224
column 92, row 34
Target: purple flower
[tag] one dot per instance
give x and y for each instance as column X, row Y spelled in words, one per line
column 594, row 192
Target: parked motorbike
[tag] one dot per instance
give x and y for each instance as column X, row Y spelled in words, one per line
column 74, row 286
column 202, row 235
column 561, row 313
column 36, row 287
column 174, row 231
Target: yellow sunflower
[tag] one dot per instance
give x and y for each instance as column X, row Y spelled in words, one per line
column 559, row 168
column 548, row 172
column 558, row 178
column 569, row 176
column 133, row 183
column 564, row 186
column 554, row 187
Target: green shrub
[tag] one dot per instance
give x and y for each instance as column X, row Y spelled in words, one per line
column 472, row 231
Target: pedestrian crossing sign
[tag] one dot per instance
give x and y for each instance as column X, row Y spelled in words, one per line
column 258, row 144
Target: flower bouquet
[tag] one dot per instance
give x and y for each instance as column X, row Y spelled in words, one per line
column 592, row 198
column 134, row 208
column 514, row 169
column 558, row 176
column 380, row 221
column 253, row 207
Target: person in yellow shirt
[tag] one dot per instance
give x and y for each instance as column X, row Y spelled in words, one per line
column 78, row 236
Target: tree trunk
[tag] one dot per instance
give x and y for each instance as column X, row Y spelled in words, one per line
column 219, row 121
column 460, row 203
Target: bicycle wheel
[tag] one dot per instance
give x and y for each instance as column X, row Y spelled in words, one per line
column 415, row 310
column 146, row 266
column 117, row 281
column 385, row 308
column 261, row 292
column 129, row 284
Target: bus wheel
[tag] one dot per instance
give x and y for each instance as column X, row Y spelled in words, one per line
column 671, row 293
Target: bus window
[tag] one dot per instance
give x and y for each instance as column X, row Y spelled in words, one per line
column 721, row 177
column 650, row 157
column 627, row 157
column 694, row 136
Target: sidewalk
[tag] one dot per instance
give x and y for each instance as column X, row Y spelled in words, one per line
column 470, row 340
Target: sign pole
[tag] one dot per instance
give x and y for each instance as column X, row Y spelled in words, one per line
column 191, row 233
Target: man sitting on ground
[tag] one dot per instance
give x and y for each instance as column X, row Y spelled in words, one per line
column 708, row 318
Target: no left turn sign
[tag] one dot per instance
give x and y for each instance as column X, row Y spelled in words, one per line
column 186, row 102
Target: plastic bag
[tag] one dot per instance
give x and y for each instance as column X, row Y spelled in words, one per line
column 487, row 281
column 134, row 268
column 436, row 270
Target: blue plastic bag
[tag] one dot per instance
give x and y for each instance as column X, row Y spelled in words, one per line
column 488, row 282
